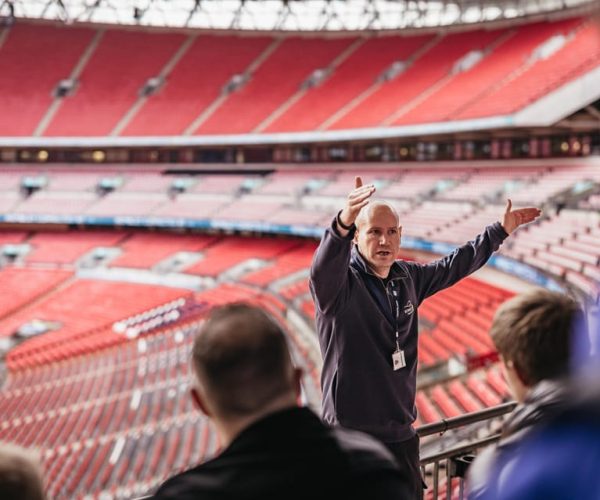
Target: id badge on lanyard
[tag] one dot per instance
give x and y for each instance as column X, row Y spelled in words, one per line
column 398, row 359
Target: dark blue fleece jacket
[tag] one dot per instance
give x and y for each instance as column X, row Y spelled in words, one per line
column 360, row 388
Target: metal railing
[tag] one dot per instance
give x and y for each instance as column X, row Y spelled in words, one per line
column 455, row 460
column 447, row 424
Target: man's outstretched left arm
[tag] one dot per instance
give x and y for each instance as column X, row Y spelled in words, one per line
column 466, row 259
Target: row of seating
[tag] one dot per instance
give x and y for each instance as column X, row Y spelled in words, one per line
column 566, row 246
column 218, row 196
column 272, row 83
column 79, row 318
column 115, row 420
column 563, row 245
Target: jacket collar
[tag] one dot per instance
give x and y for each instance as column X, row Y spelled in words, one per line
column 544, row 400
column 358, row 262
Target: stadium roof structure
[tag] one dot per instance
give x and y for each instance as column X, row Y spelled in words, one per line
column 289, row 15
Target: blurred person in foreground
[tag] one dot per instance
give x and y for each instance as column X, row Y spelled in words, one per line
column 245, row 382
column 20, row 474
column 538, row 335
column 560, row 458
column 366, row 312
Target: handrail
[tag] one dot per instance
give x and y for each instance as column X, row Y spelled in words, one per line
column 460, row 450
column 452, row 423
column 470, row 418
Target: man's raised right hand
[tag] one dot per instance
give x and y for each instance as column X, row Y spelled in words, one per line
column 357, row 198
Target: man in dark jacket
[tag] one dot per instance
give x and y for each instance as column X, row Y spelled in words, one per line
column 366, row 312
column 247, row 385
column 538, row 335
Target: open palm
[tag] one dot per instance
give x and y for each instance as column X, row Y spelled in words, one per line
column 515, row 218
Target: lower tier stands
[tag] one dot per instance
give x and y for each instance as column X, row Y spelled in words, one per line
column 117, row 419
column 66, row 248
column 143, row 250
column 230, row 252
column 78, row 317
column 20, row 287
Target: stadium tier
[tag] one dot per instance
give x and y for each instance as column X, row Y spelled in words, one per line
column 150, row 174
column 110, row 377
column 152, row 83
column 444, row 204
column 32, row 62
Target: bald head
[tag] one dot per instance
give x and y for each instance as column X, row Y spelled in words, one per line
column 375, row 206
column 242, row 361
column 377, row 236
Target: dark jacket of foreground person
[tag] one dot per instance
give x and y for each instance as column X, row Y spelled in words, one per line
column 545, row 400
column 290, row 454
column 558, row 459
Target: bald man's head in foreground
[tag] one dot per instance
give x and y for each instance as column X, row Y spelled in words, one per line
column 242, row 364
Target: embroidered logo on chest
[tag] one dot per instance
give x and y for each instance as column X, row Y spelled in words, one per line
column 409, row 308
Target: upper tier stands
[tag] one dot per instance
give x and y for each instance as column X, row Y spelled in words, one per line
column 277, row 83
column 313, row 107
column 190, row 89
column 272, row 83
column 33, row 59
column 109, row 83
column 500, row 60
column 580, row 53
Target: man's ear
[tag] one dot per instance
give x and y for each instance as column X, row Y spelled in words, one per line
column 521, row 376
column 199, row 401
column 515, row 380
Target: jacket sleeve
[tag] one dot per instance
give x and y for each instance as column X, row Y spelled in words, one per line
column 330, row 268
column 479, row 474
column 435, row 276
column 384, row 484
